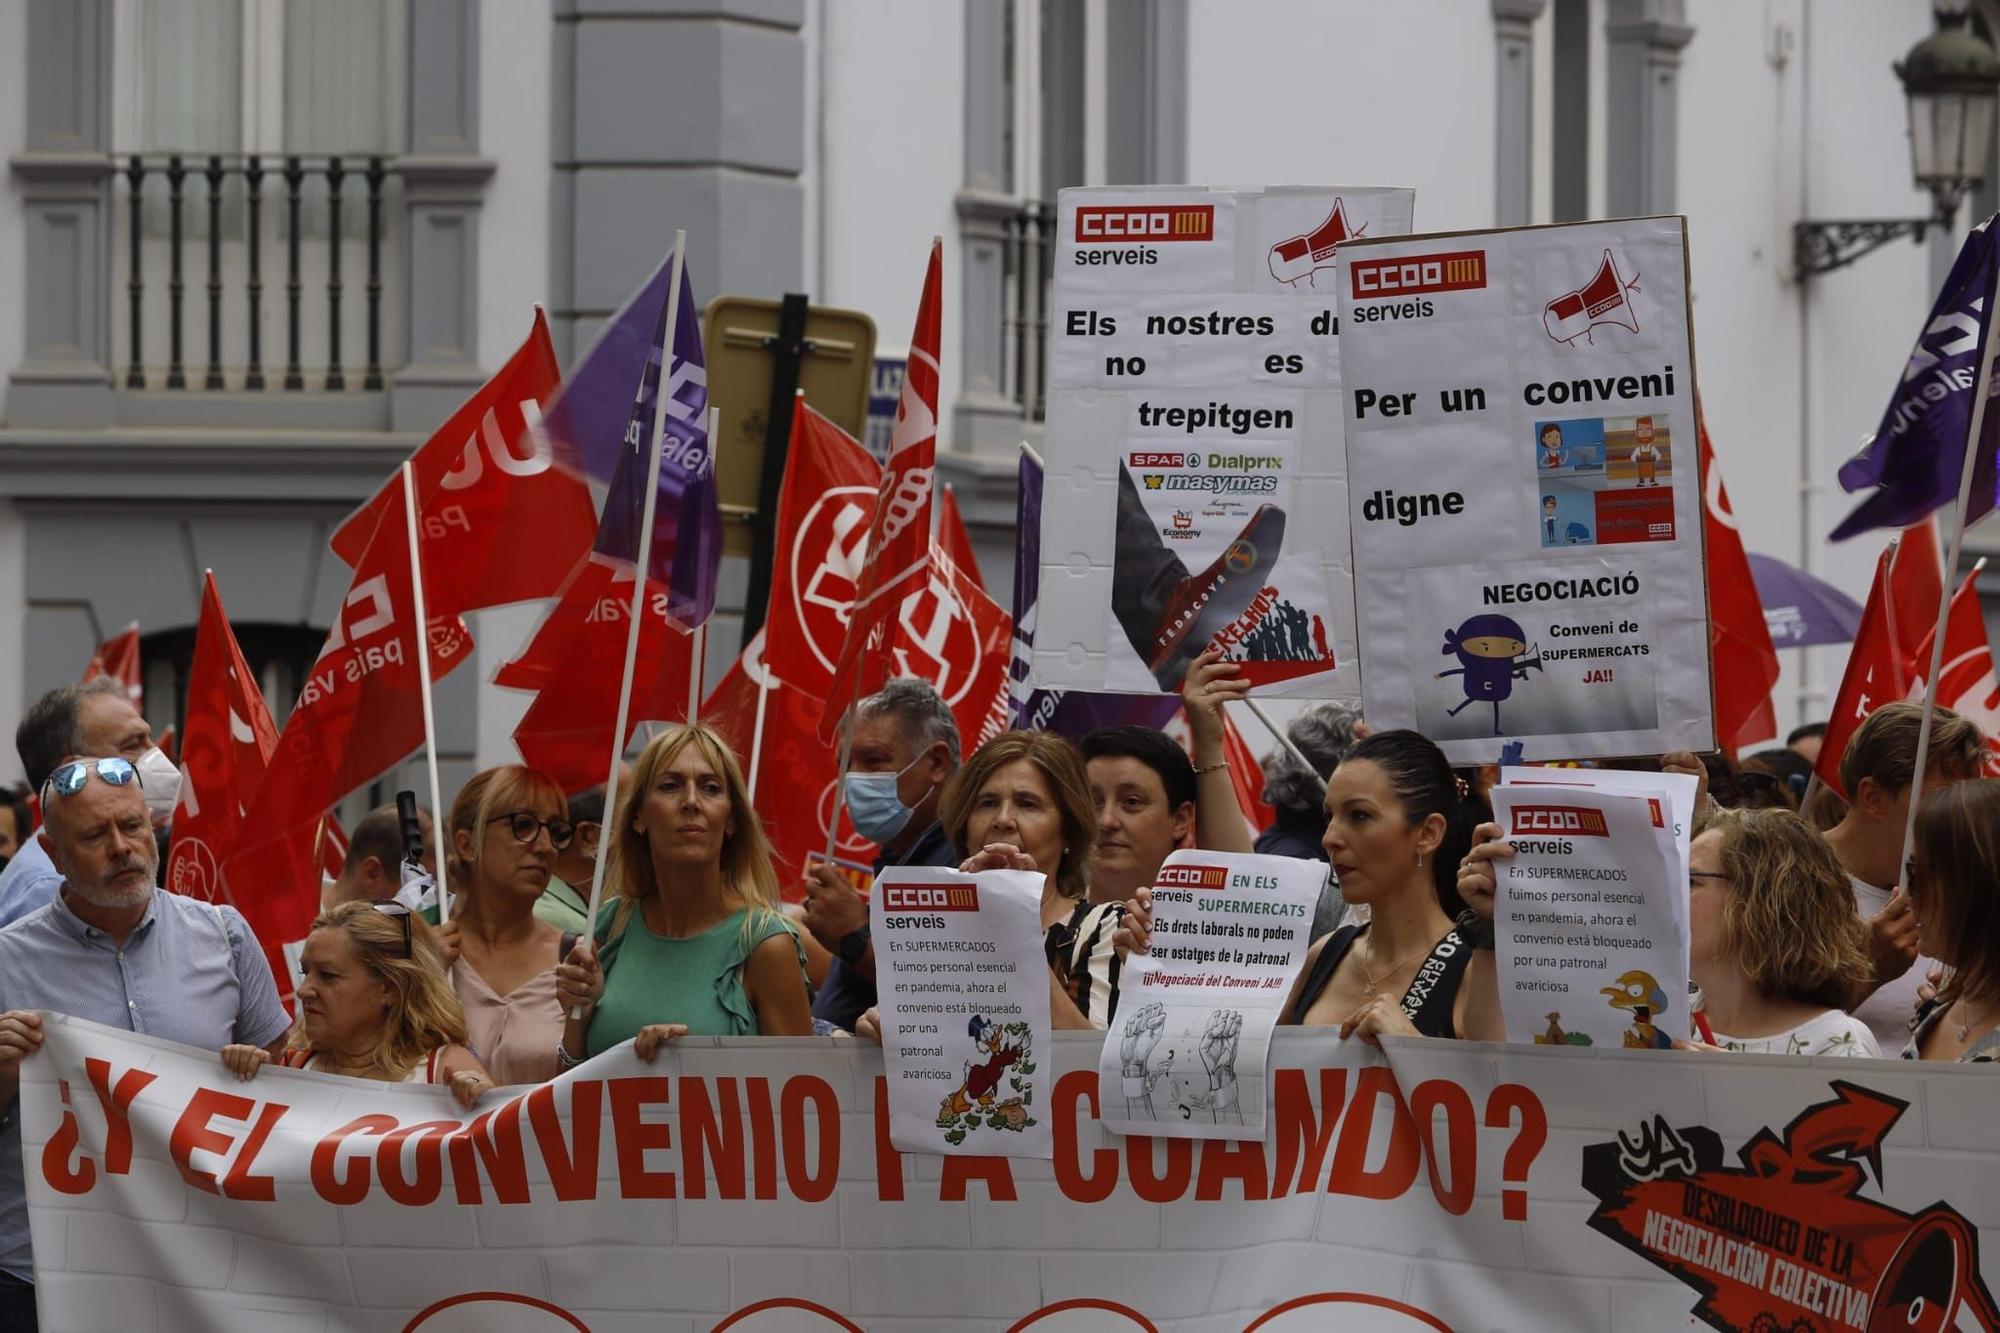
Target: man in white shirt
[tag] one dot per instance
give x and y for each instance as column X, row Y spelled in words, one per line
column 1877, row 770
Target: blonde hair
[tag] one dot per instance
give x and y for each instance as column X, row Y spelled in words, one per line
column 1788, row 919
column 423, row 1013
column 746, row 853
column 1060, row 764
column 508, row 787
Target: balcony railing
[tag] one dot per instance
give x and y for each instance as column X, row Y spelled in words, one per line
column 323, row 205
column 1029, row 250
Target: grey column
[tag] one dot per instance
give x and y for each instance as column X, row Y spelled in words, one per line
column 1146, row 92
column 65, row 179
column 1514, row 110
column 444, row 182
column 984, row 418
column 1643, row 43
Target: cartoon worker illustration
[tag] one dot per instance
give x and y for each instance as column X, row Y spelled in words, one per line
column 1553, row 454
column 1487, row 647
column 1646, row 458
column 1548, row 520
column 1638, row 992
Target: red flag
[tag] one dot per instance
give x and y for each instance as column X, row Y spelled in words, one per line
column 1876, row 673
column 118, row 658
column 332, row 847
column 230, row 737
column 1966, row 683
column 1246, row 775
column 953, row 538
column 360, row 712
column 899, row 535
column 1739, row 642
column 576, row 662
column 499, row 521
column 169, row 743
column 796, row 773
column 1916, row 586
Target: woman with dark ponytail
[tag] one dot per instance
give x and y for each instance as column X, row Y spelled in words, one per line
column 1399, row 821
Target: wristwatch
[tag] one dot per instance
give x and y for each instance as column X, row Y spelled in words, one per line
column 853, row 944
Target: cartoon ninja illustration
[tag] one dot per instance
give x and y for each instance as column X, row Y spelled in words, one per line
column 1638, row 992
column 1487, row 647
column 1553, row 454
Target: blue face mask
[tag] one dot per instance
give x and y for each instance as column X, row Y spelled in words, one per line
column 875, row 806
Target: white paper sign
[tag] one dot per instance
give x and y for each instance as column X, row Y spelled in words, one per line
column 1680, row 789
column 964, row 990
column 1590, row 919
column 1185, row 1055
column 1523, row 489
column 1196, row 475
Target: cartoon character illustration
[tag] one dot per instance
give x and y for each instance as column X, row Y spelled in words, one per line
column 1638, row 992
column 1141, row 1035
column 1555, row 1036
column 1487, row 646
column 1646, row 458
column 1218, row 1056
column 1576, row 534
column 1005, row 1051
column 1553, row 454
column 1548, row 520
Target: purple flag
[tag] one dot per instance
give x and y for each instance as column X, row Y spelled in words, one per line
column 612, row 444
column 1918, row 452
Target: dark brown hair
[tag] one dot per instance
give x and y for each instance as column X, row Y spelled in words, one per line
column 1061, row 766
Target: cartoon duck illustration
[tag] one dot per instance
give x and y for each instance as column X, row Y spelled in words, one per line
column 981, row 1080
column 1554, row 1035
column 1638, row 992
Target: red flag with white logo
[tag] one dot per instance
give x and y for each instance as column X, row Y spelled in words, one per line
column 1916, row 586
column 499, row 521
column 576, row 661
column 118, row 658
column 361, row 712
column 230, row 737
column 899, row 534
column 1877, row 673
column 1966, row 683
column 954, row 540
column 332, row 847
column 1740, row 650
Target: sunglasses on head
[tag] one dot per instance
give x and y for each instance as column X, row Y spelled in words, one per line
column 390, row 907
column 526, row 827
column 69, row 778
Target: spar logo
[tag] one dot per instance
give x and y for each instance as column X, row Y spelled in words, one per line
column 1193, row 877
column 1417, row 275
column 938, row 639
column 1163, row 460
column 930, row 897
column 1118, row 224
column 1560, row 819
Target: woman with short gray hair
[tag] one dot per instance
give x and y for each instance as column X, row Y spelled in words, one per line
column 1325, row 734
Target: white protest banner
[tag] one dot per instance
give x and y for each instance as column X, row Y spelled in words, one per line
column 1590, row 919
column 750, row 1185
column 1523, row 489
column 1680, row 790
column 1185, row 1054
column 1195, row 471
column 964, row 989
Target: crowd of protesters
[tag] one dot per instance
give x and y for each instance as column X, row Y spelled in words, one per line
column 1808, row 935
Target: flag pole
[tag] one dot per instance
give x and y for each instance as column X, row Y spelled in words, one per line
column 423, row 650
column 757, row 728
column 637, row 609
column 1965, row 471
column 698, row 669
column 1283, row 738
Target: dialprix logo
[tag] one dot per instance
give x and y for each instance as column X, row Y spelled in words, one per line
column 1417, row 275
column 1193, row 877
column 930, row 897
column 1119, row 224
column 1560, row 819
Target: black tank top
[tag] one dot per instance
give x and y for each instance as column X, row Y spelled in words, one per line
column 1431, row 994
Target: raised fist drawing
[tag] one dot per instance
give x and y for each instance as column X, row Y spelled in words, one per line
column 1142, row 1033
column 1218, row 1053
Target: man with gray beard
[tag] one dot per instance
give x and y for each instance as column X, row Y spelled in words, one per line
column 113, row 949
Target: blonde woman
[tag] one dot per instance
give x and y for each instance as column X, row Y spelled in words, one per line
column 691, row 940
column 505, row 833
column 1774, row 942
column 374, row 1004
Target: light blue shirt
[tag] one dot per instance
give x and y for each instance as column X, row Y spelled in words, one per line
column 191, row 972
column 28, row 883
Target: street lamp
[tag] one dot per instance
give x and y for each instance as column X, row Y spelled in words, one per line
column 1950, row 78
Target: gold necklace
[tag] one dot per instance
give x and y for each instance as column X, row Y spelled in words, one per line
column 1373, row 983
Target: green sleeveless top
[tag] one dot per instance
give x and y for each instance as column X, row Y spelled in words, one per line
column 698, row 981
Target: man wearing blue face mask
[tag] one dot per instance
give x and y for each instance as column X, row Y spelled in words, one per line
column 902, row 750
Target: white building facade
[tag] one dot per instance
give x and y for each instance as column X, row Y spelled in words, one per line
column 400, row 181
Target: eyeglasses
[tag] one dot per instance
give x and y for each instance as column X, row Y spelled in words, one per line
column 390, row 907
column 526, row 827
column 68, row 780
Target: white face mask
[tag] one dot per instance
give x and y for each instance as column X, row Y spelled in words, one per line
column 161, row 782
